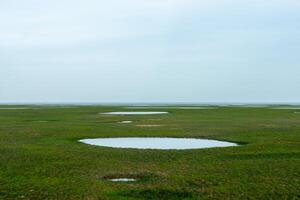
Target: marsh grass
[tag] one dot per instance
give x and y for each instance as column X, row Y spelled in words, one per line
column 46, row 161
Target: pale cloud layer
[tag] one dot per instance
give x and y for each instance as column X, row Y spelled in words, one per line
column 149, row 51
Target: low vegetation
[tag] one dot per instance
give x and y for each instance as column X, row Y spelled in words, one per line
column 41, row 158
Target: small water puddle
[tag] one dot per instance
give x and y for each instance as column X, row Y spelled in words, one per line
column 125, row 122
column 171, row 107
column 148, row 125
column 122, row 180
column 134, row 113
column 157, row 143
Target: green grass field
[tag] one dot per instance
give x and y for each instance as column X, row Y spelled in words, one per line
column 44, row 160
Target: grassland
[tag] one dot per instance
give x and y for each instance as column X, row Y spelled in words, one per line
column 41, row 158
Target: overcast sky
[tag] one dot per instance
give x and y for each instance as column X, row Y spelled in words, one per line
column 149, row 51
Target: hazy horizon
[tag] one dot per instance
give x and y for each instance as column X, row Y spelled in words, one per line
column 156, row 103
column 187, row 51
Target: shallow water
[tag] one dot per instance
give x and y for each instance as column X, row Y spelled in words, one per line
column 148, row 125
column 171, row 107
column 157, row 143
column 122, row 179
column 135, row 113
column 125, row 122
column 197, row 108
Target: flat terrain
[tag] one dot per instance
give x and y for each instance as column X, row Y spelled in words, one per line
column 41, row 158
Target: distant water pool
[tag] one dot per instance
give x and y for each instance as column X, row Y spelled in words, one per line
column 171, row 107
column 125, row 122
column 134, row 113
column 157, row 143
column 122, row 179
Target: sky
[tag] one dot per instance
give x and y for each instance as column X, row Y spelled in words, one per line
column 198, row 51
